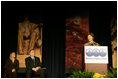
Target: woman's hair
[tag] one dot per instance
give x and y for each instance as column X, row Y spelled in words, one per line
column 91, row 34
column 11, row 54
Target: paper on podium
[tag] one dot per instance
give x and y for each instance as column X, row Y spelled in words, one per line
column 96, row 54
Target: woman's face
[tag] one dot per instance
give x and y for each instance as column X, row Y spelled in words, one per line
column 13, row 55
column 90, row 38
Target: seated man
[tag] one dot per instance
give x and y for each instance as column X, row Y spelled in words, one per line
column 33, row 66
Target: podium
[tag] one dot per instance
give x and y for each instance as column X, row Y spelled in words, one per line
column 96, row 59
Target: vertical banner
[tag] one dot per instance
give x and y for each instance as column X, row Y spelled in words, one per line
column 29, row 37
column 114, row 41
column 77, row 29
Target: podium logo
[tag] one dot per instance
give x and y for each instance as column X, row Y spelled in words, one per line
column 95, row 52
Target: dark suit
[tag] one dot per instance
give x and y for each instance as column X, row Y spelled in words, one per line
column 9, row 66
column 30, row 63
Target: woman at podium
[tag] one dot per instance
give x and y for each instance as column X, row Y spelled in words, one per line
column 91, row 41
column 91, row 60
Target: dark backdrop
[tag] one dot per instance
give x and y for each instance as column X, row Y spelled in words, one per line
column 53, row 15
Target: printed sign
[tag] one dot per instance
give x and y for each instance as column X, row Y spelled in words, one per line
column 96, row 54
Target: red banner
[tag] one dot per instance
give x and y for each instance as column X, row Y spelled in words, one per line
column 76, row 35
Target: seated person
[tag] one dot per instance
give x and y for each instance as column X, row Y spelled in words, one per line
column 33, row 66
column 12, row 66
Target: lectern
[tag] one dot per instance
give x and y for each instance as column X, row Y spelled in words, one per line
column 96, row 59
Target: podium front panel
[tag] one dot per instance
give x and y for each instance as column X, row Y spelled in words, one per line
column 97, row 68
column 96, row 59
